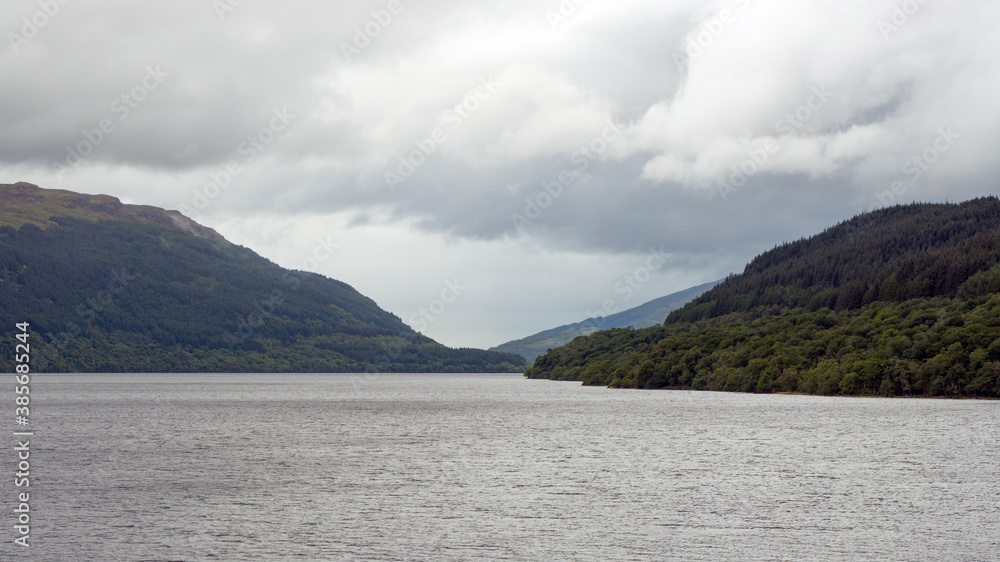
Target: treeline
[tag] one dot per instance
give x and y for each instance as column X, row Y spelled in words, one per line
column 120, row 352
column 922, row 347
column 119, row 296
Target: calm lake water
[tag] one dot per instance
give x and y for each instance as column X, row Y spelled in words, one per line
column 472, row 467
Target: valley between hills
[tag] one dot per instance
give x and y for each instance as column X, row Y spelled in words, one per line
column 902, row 301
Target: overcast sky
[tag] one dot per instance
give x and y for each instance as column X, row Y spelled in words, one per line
column 548, row 157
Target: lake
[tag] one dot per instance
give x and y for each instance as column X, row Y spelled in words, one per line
column 496, row 467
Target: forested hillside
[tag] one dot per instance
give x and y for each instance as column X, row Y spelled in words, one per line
column 892, row 254
column 902, row 301
column 114, row 294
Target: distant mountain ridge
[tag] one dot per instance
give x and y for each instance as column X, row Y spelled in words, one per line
column 109, row 287
column 652, row 313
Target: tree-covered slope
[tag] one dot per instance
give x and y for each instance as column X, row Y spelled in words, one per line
column 121, row 292
column 901, row 301
column 892, row 254
column 930, row 347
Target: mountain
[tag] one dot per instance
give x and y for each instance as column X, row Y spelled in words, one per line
column 893, row 254
column 109, row 287
column 24, row 203
column 652, row 313
column 900, row 301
